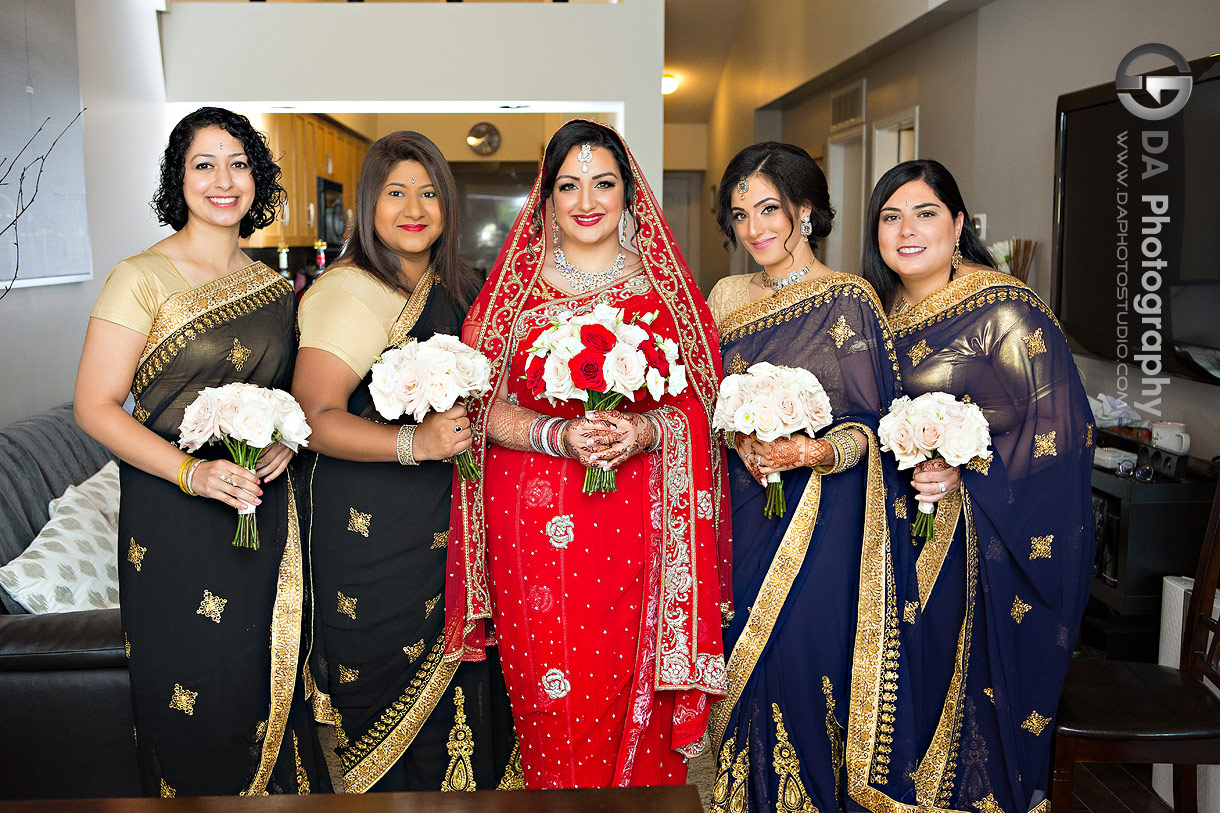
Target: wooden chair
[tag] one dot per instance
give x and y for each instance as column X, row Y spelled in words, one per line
column 1120, row 711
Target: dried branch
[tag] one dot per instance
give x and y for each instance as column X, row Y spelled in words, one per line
column 23, row 203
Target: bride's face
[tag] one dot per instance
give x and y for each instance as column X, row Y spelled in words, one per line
column 588, row 205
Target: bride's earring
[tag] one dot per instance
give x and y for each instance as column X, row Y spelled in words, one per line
column 554, row 229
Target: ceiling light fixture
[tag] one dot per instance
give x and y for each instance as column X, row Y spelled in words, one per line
column 669, row 83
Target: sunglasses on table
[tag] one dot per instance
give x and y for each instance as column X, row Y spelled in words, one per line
column 1127, row 468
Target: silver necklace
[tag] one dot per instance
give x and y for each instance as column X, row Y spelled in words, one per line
column 777, row 284
column 579, row 281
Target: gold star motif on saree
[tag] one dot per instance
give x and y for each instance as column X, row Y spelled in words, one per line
column 358, row 522
column 212, row 606
column 238, row 355
column 135, row 554
column 440, row 539
column 347, row 675
column 1035, row 722
column 167, row 792
column 183, row 700
column 980, row 464
column 988, row 804
column 431, row 603
column 990, row 695
column 1044, row 444
column 737, row 366
column 415, row 650
column 1019, row 609
column 347, row 605
column 1040, row 546
column 1033, row 343
column 841, row 332
column 919, row 352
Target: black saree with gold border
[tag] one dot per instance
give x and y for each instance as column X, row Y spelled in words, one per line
column 212, row 631
column 1003, row 583
column 797, row 579
column 405, row 719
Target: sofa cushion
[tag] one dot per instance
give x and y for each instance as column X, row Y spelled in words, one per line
column 40, row 456
column 72, row 564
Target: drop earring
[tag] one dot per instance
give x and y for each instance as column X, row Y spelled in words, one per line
column 957, row 256
column 554, row 230
column 806, row 226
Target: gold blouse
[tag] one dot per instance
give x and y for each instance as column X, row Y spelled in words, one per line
column 349, row 313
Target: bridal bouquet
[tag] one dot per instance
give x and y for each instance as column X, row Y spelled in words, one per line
column 430, row 376
column 771, row 402
column 246, row 418
column 601, row 358
column 929, row 426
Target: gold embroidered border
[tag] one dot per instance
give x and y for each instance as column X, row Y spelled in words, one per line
column 368, row 759
column 965, row 294
column 400, row 331
column 285, row 648
column 932, row 557
column 767, row 604
column 799, row 300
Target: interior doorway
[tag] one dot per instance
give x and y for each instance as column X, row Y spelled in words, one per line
column 681, row 204
column 846, row 178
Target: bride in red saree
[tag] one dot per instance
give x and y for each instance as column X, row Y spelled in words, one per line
column 606, row 607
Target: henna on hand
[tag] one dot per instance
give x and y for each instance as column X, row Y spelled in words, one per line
column 508, row 425
column 635, row 436
column 796, row 452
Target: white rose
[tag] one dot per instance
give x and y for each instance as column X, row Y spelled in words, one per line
column 606, row 315
column 817, row 407
column 294, row 430
column 958, row 445
column 442, row 393
column 255, row 424
column 558, row 380
column 434, row 360
column 632, row 334
column 624, row 370
column 767, row 424
column 199, row 424
column 384, row 387
column 762, row 370
column 788, row 408
column 730, row 386
column 677, row 379
column 465, row 374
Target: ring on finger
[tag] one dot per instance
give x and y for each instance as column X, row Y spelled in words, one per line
column 941, row 485
column 224, row 478
column 457, row 430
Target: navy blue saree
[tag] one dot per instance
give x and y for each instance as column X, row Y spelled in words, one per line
column 1002, row 585
column 780, row 734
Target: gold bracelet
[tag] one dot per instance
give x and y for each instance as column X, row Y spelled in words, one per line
column 831, row 467
column 406, row 444
column 182, row 475
column 847, row 450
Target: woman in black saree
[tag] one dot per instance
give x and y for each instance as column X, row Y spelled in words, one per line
column 216, row 713
column 379, row 495
column 782, row 731
column 1003, row 583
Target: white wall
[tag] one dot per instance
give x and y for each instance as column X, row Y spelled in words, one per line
column 124, row 125
column 383, row 57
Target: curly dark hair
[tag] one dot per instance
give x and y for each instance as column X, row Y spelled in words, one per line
column 572, row 134
column 793, row 173
column 169, row 203
column 873, row 268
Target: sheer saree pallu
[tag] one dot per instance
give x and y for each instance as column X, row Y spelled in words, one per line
column 216, row 713
column 1004, row 581
column 607, row 606
column 405, row 719
column 781, row 730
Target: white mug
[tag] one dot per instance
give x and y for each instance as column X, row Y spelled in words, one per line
column 1170, row 436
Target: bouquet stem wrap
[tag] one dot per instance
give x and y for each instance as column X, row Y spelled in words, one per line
column 247, row 521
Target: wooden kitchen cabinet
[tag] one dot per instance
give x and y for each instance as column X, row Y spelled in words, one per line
column 307, row 147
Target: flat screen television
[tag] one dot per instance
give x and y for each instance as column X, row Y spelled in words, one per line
column 1137, row 230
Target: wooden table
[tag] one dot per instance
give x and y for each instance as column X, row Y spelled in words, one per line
column 671, row 799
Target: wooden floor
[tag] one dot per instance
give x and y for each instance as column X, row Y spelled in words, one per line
column 1099, row 787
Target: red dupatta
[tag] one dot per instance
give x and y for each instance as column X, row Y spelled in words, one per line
column 489, row 329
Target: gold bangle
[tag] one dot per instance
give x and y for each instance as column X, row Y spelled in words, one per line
column 831, row 467
column 406, row 444
column 182, row 475
column 847, row 450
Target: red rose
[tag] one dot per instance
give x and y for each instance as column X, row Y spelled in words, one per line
column 533, row 375
column 596, row 337
column 586, row 367
column 654, row 356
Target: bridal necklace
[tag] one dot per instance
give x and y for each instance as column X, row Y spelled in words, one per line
column 783, row 282
column 580, row 281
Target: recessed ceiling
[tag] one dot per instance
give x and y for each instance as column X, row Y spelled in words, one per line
column 698, row 35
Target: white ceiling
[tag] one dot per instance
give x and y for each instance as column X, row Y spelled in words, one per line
column 698, row 35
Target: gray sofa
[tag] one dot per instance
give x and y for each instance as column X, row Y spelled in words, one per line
column 65, row 704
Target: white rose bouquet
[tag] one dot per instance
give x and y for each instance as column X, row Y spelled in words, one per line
column 929, row 426
column 601, row 358
column 430, row 376
column 771, row 402
column 246, row 418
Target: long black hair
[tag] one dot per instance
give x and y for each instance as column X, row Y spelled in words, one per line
column 573, row 134
column 883, row 279
column 365, row 250
column 169, row 204
column 793, row 173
